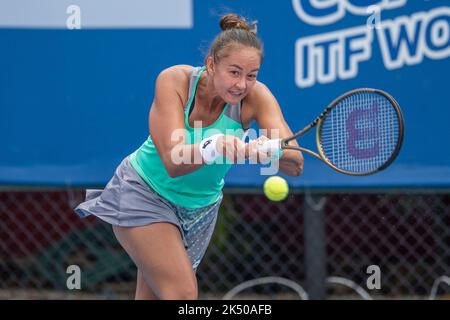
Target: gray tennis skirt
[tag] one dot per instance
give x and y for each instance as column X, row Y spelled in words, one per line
column 128, row 201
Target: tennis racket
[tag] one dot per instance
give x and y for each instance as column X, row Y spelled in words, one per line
column 359, row 133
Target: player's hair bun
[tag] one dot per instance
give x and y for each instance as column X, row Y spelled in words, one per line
column 233, row 21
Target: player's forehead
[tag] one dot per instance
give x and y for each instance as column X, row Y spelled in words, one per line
column 242, row 57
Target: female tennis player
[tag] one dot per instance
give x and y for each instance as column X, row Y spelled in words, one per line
column 163, row 211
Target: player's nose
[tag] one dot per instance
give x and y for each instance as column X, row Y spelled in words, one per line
column 241, row 84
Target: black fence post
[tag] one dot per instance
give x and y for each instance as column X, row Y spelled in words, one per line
column 315, row 246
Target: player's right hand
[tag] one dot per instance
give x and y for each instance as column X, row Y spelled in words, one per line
column 231, row 147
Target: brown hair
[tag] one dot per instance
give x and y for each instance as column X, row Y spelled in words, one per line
column 235, row 30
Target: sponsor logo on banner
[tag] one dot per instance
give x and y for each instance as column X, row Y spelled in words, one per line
column 403, row 41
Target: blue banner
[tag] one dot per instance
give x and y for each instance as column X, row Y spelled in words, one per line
column 75, row 97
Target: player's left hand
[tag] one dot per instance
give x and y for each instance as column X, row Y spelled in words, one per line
column 254, row 154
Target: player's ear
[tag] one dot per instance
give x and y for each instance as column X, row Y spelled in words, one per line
column 210, row 65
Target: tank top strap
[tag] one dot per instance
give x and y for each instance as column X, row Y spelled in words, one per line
column 193, row 81
column 234, row 112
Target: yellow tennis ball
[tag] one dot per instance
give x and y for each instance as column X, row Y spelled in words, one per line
column 276, row 188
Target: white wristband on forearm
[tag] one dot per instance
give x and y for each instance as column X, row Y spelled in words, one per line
column 208, row 148
column 273, row 147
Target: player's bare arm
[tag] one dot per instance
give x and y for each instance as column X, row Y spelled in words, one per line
column 268, row 115
column 166, row 121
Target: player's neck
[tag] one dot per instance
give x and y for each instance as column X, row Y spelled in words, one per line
column 207, row 95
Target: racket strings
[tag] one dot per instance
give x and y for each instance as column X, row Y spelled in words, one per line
column 361, row 133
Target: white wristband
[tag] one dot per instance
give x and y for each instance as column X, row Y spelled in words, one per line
column 207, row 148
column 272, row 146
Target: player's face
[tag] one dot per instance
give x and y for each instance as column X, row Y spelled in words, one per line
column 235, row 74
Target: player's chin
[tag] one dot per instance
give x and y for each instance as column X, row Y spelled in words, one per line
column 233, row 98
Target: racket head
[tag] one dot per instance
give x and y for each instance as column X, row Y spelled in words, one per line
column 360, row 132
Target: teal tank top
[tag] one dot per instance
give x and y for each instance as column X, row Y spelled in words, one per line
column 203, row 186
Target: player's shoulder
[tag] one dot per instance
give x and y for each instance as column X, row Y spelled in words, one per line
column 259, row 100
column 172, row 81
column 259, row 94
column 177, row 74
